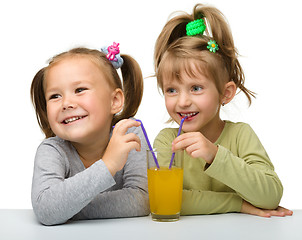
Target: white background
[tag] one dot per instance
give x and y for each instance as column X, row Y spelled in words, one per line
column 266, row 33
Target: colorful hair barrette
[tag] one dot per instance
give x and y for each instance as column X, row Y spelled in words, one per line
column 195, row 27
column 212, row 46
column 113, row 55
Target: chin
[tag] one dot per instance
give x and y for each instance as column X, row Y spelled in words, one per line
column 76, row 137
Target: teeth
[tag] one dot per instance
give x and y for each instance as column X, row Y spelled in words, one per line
column 188, row 114
column 69, row 120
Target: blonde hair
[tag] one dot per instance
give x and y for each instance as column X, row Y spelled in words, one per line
column 174, row 50
column 132, row 85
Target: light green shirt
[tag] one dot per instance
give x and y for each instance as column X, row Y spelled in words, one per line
column 240, row 170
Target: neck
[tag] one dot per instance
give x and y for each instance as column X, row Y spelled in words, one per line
column 213, row 130
column 91, row 152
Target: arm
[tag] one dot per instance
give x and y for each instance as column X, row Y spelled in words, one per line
column 56, row 198
column 57, row 195
column 209, row 202
column 132, row 197
column 250, row 172
column 240, row 162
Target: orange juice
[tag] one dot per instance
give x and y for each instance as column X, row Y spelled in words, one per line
column 165, row 190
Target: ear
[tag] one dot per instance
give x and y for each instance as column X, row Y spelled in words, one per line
column 230, row 89
column 117, row 101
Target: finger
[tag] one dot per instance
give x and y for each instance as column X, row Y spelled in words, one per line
column 131, row 137
column 289, row 212
column 184, row 143
column 194, row 152
column 183, row 137
column 286, row 211
column 132, row 145
column 262, row 213
column 277, row 213
column 192, row 147
column 122, row 126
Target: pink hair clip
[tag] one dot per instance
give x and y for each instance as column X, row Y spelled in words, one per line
column 112, row 51
column 113, row 55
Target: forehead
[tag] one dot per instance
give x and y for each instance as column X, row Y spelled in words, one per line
column 75, row 62
column 183, row 68
column 73, row 68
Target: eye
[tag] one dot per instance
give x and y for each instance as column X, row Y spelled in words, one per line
column 170, row 90
column 81, row 89
column 196, row 88
column 54, row 96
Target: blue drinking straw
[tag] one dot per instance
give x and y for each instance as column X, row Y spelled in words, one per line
column 179, row 130
column 148, row 142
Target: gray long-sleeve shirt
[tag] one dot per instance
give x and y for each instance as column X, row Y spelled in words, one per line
column 63, row 189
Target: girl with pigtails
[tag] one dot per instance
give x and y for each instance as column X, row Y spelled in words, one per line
column 85, row 168
column 226, row 168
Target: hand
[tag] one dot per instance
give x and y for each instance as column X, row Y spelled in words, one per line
column 196, row 145
column 250, row 209
column 120, row 144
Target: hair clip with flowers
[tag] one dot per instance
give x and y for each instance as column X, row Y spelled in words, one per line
column 212, row 46
column 197, row 27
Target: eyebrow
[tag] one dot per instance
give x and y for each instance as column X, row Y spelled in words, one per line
column 56, row 89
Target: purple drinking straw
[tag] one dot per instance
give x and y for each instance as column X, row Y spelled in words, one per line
column 148, row 142
column 179, row 130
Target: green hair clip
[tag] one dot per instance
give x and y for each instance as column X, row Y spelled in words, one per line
column 195, row 27
column 212, row 46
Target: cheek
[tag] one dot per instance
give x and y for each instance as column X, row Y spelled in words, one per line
column 211, row 104
column 88, row 103
column 51, row 116
column 170, row 104
column 50, row 112
column 95, row 104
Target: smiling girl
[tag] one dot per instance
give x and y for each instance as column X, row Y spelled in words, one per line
column 226, row 168
column 83, row 169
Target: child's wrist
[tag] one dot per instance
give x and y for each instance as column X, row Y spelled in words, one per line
column 213, row 151
column 110, row 167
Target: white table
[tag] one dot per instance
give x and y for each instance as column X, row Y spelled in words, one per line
column 22, row 224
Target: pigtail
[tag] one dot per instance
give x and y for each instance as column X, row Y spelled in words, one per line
column 39, row 102
column 132, row 88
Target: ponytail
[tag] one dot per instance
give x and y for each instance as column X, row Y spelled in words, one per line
column 173, row 30
column 132, row 88
column 221, row 32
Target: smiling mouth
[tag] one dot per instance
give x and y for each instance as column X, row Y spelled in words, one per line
column 72, row 119
column 188, row 115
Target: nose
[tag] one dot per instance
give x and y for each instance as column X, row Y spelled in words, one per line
column 184, row 100
column 68, row 103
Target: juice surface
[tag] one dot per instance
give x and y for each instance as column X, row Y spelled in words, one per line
column 165, row 190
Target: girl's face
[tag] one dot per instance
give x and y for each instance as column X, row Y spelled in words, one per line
column 79, row 100
column 195, row 97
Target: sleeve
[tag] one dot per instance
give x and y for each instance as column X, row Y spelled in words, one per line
column 197, row 201
column 209, row 202
column 132, row 199
column 251, row 173
column 55, row 198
